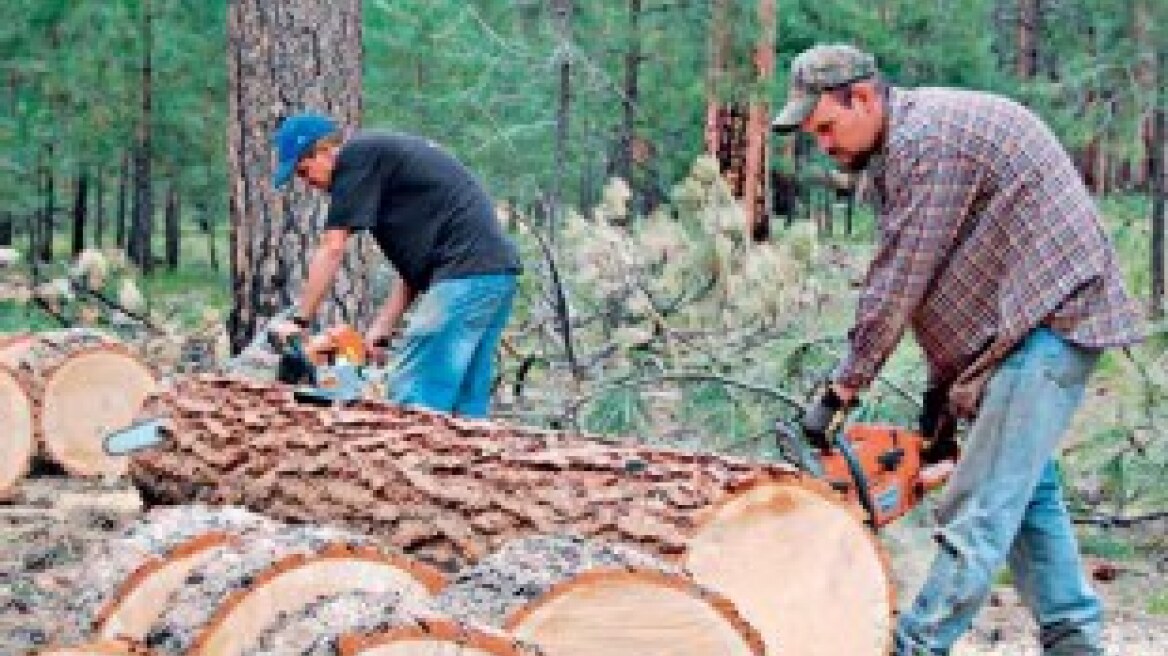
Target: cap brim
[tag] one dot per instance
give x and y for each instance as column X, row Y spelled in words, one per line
column 283, row 174
column 797, row 109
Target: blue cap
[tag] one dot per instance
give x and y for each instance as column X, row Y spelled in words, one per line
column 294, row 138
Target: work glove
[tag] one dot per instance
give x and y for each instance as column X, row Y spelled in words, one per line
column 822, row 416
column 938, row 426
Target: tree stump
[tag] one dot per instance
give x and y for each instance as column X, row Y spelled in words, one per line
column 82, row 384
column 18, row 445
column 575, row 597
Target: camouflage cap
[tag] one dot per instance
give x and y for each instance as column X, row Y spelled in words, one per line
column 820, row 69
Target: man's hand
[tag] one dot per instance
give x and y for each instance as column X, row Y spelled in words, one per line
column 377, row 348
column 825, row 413
column 282, row 330
column 939, row 426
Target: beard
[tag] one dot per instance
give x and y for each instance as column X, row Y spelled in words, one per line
column 854, row 163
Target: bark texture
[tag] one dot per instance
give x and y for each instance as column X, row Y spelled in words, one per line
column 287, row 56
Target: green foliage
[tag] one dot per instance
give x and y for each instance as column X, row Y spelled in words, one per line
column 1104, row 544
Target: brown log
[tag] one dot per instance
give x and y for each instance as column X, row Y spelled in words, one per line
column 82, row 384
column 18, row 443
column 575, row 597
column 449, row 492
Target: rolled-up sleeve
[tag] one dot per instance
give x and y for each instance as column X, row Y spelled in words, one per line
column 931, row 190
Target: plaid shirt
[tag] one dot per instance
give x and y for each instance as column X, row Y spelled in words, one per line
column 986, row 232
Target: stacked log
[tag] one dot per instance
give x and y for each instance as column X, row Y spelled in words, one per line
column 575, row 597
column 781, row 546
column 80, row 384
column 18, row 443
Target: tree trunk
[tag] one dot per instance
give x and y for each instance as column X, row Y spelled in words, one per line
column 82, row 384
column 173, row 232
column 1160, row 187
column 562, row 17
column 286, row 56
column 6, row 227
column 79, row 211
column 123, row 194
column 1029, row 30
column 141, row 232
column 633, row 58
column 642, row 602
column 231, row 441
column 99, row 210
column 737, row 115
column 48, row 211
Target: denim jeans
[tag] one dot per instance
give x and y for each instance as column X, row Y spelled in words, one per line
column 1004, row 504
column 446, row 359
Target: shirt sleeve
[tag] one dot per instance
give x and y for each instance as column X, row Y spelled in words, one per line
column 355, row 196
column 931, row 190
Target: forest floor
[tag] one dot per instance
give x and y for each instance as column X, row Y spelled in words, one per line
column 52, row 520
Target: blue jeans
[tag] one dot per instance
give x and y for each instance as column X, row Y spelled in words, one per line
column 1004, row 504
column 446, row 358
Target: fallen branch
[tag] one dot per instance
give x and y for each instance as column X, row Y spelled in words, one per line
column 1121, row 522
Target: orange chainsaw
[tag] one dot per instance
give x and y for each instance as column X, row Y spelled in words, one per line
column 878, row 467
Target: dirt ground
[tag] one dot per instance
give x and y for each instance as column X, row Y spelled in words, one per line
column 44, row 532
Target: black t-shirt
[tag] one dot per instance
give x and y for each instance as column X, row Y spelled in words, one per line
column 426, row 211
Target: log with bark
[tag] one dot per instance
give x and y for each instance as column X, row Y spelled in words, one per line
column 82, row 384
column 782, row 546
column 575, row 597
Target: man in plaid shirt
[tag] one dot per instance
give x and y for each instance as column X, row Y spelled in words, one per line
column 992, row 252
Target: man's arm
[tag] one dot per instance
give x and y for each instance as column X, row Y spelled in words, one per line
column 391, row 312
column 935, row 188
column 321, row 271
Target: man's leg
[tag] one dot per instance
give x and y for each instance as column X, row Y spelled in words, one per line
column 1027, row 407
column 1050, row 578
column 440, row 340
column 474, row 397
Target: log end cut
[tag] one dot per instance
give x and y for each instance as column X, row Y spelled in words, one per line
column 616, row 611
column 785, row 552
column 18, row 445
column 88, row 395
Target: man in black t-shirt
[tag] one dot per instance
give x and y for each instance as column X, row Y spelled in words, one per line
column 436, row 224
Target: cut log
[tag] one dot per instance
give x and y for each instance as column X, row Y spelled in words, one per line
column 82, row 384
column 227, row 602
column 786, row 554
column 449, row 492
column 18, row 445
column 574, row 597
column 379, row 623
column 137, row 573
